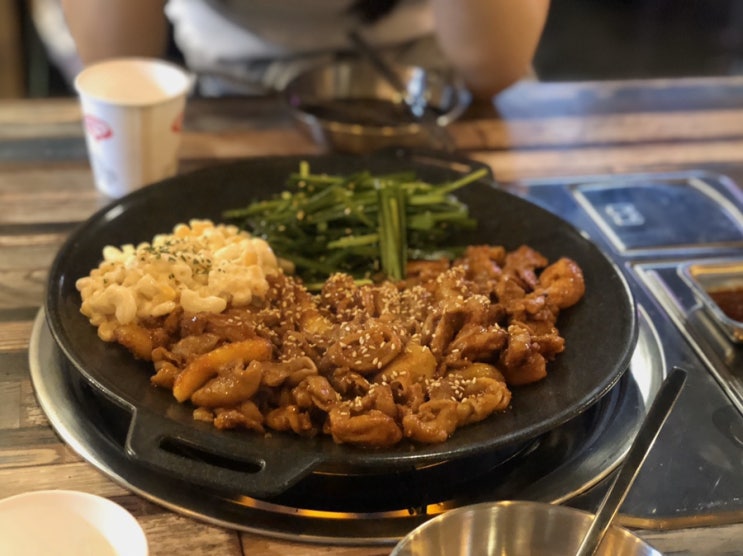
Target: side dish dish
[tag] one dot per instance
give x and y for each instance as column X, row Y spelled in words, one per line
column 199, row 267
column 250, row 346
column 363, row 224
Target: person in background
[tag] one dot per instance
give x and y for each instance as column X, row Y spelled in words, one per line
column 255, row 46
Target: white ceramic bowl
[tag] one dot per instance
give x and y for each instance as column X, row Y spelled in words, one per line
column 64, row 522
column 514, row 529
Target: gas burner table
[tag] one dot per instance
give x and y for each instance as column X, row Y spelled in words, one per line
column 652, row 225
column 649, row 225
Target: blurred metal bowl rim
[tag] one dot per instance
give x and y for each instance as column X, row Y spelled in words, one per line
column 335, row 133
column 357, row 129
column 616, row 532
column 443, row 120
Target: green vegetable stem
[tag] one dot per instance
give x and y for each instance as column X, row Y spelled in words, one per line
column 363, row 224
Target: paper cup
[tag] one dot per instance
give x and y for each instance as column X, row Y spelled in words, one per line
column 65, row 522
column 132, row 114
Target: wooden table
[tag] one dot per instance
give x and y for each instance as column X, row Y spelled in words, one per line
column 533, row 130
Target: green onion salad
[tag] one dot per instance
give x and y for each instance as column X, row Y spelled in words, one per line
column 362, row 224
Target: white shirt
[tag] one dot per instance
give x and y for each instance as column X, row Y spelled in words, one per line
column 259, row 44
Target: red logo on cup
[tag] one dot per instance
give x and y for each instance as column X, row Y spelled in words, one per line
column 97, row 128
column 177, row 125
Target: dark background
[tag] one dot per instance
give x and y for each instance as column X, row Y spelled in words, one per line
column 609, row 39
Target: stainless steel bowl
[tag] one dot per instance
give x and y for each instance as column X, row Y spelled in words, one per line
column 514, row 529
column 349, row 107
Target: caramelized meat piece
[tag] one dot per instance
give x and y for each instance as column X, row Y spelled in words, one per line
column 291, row 372
column 367, row 349
column 483, row 263
column 476, row 342
column 232, row 386
column 562, row 283
column 434, row 422
column 140, row 341
column 369, row 365
column 291, row 418
column 522, row 264
column 373, row 429
column 246, row 415
column 316, row 391
column 206, row 366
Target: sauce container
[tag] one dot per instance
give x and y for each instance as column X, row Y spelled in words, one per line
column 718, row 285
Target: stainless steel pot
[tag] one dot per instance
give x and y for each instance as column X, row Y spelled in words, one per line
column 514, row 528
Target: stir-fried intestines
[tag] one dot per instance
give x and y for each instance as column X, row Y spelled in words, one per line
column 368, row 365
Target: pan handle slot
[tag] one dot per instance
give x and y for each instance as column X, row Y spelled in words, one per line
column 178, row 447
column 228, row 465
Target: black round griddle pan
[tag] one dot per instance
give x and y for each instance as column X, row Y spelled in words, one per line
column 600, row 331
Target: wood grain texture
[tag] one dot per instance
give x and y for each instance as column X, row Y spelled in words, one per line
column 12, row 52
column 533, row 130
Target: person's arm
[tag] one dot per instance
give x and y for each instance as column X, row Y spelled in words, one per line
column 491, row 42
column 112, row 28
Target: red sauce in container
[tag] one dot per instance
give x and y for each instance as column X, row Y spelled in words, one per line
column 730, row 301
